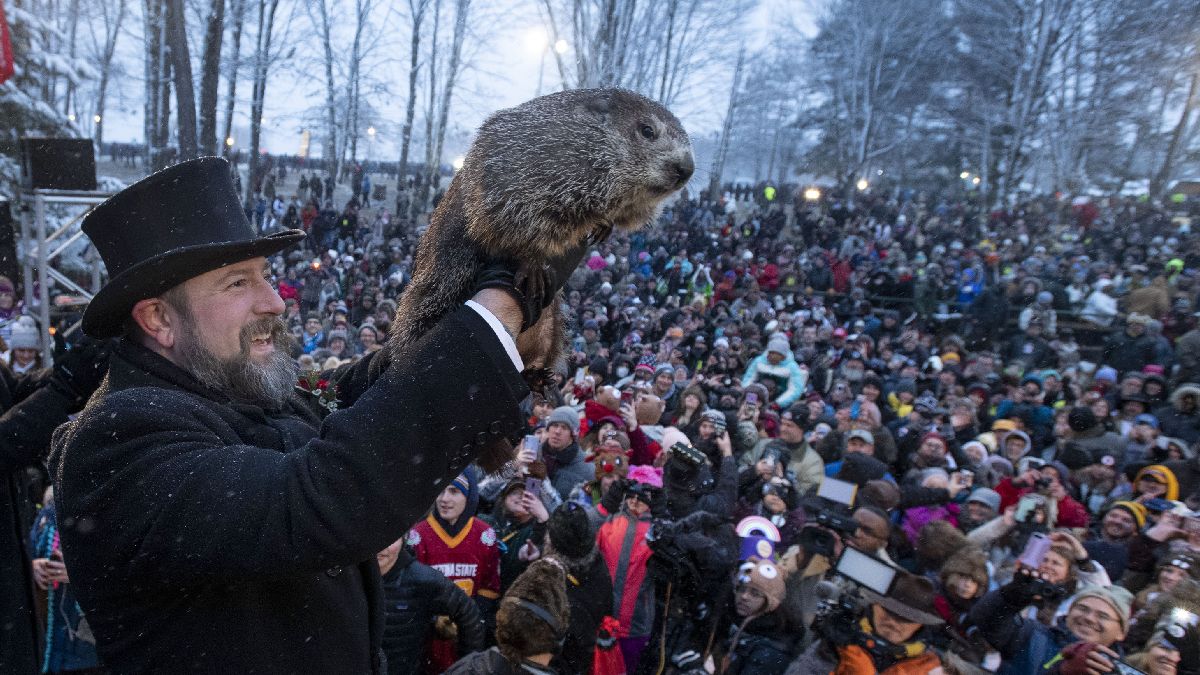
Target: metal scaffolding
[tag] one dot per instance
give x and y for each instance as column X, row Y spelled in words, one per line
column 41, row 248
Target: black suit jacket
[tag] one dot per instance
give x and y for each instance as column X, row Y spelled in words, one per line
column 206, row 535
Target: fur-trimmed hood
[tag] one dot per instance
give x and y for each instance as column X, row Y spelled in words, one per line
column 1185, row 389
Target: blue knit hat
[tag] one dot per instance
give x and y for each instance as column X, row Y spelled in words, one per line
column 468, row 484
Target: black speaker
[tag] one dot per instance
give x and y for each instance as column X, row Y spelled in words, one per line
column 8, row 244
column 58, row 164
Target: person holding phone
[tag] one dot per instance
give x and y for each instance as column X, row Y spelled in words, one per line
column 519, row 519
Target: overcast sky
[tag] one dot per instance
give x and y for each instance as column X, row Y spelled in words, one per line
column 505, row 71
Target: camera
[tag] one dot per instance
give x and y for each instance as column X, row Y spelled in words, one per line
column 687, row 454
column 838, row 614
column 831, row 507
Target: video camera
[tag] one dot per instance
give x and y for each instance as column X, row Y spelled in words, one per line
column 839, row 614
column 832, row 510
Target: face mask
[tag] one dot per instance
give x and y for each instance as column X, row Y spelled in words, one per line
column 622, row 371
column 853, row 375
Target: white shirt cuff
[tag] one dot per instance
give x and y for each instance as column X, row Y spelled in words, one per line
column 510, row 346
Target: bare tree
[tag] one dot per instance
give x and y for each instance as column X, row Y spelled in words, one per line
column 650, row 47
column 718, row 165
column 181, row 66
column 104, row 47
column 210, row 77
column 233, row 65
column 264, row 59
column 416, row 13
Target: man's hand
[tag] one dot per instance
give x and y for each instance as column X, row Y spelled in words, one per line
column 1167, row 528
column 1067, row 539
column 724, row 445
column 48, row 571
column 528, row 552
column 1088, row 658
column 956, row 485
column 535, row 507
column 1010, row 517
column 503, row 306
column 630, row 416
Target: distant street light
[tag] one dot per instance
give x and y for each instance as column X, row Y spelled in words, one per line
column 812, row 194
column 371, row 141
column 370, row 131
column 96, row 119
column 458, row 163
column 561, row 46
column 229, row 141
column 71, row 117
column 976, row 180
column 965, row 175
column 862, row 184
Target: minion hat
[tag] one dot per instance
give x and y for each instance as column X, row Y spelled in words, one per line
column 1161, row 474
column 764, row 577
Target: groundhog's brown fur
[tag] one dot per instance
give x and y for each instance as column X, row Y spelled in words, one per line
column 538, row 180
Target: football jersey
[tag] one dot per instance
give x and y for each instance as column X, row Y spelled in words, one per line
column 470, row 559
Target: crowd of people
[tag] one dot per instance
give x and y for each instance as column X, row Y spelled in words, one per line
column 1001, row 407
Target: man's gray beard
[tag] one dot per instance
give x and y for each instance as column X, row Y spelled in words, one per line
column 241, row 378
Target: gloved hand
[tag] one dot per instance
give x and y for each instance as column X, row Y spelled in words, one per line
column 533, row 285
column 79, row 369
column 614, row 495
column 1022, row 590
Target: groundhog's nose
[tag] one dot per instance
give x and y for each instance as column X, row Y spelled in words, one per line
column 683, row 168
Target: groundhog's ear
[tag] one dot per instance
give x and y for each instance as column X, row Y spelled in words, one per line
column 600, row 105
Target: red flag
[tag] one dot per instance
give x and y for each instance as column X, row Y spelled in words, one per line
column 6, row 55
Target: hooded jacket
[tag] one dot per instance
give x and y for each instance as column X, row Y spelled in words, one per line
column 791, row 378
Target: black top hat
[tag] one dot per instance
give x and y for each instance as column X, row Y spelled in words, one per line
column 165, row 229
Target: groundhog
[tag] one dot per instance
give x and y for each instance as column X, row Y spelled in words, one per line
column 542, row 179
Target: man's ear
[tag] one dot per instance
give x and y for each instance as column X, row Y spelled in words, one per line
column 156, row 321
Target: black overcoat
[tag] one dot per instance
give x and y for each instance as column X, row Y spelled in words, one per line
column 32, row 409
column 205, row 535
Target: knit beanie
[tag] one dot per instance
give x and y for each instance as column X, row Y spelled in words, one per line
column 779, row 345
column 986, row 496
column 764, row 577
column 1081, row 418
column 1135, row 509
column 1115, row 596
column 25, row 334
column 565, row 415
column 532, row 616
column 570, row 531
column 1163, row 475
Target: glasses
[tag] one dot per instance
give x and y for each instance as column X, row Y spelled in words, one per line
column 1099, row 614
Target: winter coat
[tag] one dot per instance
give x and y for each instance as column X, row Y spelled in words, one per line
column 1100, row 442
column 622, row 543
column 32, row 409
column 764, row 647
column 224, row 536
column 569, row 469
column 1175, row 423
column 791, row 378
column 590, row 599
column 806, row 465
column 1127, row 353
column 491, row 662
column 1187, row 353
column 414, row 594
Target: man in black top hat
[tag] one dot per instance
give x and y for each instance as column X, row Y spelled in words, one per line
column 211, row 518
